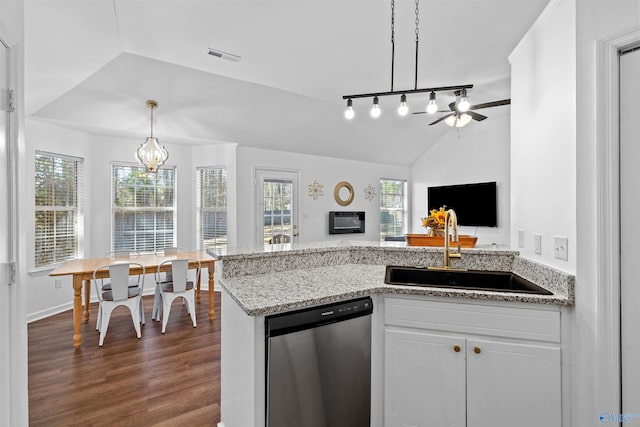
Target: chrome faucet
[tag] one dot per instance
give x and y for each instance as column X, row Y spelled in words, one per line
column 450, row 217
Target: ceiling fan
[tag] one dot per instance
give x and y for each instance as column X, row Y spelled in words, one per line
column 459, row 117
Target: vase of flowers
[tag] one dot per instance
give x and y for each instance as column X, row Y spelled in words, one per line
column 434, row 223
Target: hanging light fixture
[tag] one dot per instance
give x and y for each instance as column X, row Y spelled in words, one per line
column 463, row 102
column 151, row 154
column 403, row 109
column 432, row 106
column 375, row 109
column 349, row 113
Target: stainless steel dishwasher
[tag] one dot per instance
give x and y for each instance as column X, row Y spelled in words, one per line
column 318, row 365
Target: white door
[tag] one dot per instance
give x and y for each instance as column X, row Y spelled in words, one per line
column 424, row 379
column 630, row 229
column 513, row 385
column 276, row 206
column 5, row 240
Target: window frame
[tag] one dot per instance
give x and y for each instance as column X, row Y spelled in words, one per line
column 200, row 210
column 78, row 210
column 404, row 209
column 173, row 209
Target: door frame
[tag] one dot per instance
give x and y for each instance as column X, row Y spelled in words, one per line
column 260, row 173
column 608, row 297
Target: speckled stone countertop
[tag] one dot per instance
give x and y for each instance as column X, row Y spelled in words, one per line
column 284, row 277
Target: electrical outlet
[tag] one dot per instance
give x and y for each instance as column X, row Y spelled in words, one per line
column 537, row 239
column 560, row 247
column 58, row 283
column 521, row 238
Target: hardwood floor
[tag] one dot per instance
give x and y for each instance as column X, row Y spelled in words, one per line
column 158, row 380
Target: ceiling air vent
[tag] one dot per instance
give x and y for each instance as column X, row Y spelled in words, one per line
column 223, row 55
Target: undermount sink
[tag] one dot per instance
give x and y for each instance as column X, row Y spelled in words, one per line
column 496, row 281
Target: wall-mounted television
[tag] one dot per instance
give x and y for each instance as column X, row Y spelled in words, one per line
column 475, row 204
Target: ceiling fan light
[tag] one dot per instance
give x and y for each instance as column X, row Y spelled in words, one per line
column 375, row 109
column 432, row 106
column 349, row 113
column 450, row 120
column 463, row 120
column 403, row 109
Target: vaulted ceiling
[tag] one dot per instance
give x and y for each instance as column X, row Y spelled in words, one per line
column 91, row 65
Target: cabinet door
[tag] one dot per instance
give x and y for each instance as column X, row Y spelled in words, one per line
column 424, row 380
column 512, row 385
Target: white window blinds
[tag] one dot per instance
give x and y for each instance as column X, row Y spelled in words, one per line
column 58, row 208
column 393, row 208
column 211, row 207
column 144, row 208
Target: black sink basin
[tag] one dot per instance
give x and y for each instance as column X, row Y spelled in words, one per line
column 497, row 281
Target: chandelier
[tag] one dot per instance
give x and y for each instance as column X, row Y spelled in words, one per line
column 151, row 154
column 403, row 109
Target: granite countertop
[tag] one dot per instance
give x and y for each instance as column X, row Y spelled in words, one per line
column 269, row 293
column 274, row 278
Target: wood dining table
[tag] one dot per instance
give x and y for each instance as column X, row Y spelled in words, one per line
column 82, row 272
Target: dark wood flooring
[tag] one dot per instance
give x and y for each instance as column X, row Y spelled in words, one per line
column 158, row 380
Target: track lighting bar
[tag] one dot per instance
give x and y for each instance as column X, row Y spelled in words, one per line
column 408, row 92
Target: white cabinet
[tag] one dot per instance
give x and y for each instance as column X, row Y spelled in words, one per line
column 424, row 379
column 451, row 364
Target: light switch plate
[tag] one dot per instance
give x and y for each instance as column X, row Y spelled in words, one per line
column 560, row 247
column 521, row 238
column 537, row 240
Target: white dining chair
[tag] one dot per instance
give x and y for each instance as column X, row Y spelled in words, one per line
column 156, row 311
column 133, row 282
column 179, row 287
column 119, row 294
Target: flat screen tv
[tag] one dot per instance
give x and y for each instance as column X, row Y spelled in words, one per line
column 475, row 204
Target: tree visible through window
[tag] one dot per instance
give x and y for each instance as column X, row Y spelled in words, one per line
column 393, row 208
column 211, row 205
column 58, row 201
column 144, row 208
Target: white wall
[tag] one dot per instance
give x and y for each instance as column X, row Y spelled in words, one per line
column 543, row 135
column 314, row 214
column 480, row 154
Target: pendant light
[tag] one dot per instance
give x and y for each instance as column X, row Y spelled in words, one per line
column 403, row 109
column 432, row 106
column 151, row 154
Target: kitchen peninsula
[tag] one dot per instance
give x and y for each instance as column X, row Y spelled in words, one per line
column 257, row 282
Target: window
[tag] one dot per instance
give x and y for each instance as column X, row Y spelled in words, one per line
column 58, row 208
column 144, row 208
column 211, row 207
column 393, row 208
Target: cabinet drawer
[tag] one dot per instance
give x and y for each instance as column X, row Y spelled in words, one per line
column 494, row 320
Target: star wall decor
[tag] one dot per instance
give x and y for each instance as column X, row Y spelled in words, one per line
column 369, row 193
column 315, row 190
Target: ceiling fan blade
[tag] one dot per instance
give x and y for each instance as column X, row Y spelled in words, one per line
column 452, row 106
column 491, row 104
column 440, row 119
column 476, row 116
column 439, row 111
